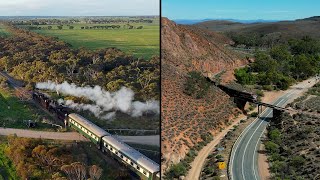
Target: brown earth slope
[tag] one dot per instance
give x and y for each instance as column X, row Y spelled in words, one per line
column 185, row 119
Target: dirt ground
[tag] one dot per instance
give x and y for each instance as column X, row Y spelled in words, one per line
column 263, row 162
column 199, row 161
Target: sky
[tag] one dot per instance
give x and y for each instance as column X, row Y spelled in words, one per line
column 240, row 9
column 78, row 7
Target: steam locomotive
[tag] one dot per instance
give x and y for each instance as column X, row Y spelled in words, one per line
column 131, row 158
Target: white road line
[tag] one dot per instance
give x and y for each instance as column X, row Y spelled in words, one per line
column 245, row 149
column 245, row 130
column 255, row 149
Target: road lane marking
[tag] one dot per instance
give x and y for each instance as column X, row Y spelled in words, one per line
column 244, row 131
column 245, row 149
column 230, row 165
column 255, row 148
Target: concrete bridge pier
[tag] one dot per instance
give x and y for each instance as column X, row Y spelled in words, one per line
column 259, row 109
column 240, row 103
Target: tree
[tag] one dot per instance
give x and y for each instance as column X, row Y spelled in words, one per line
column 263, row 63
column 75, row 171
column 272, row 147
column 196, row 85
column 277, row 166
column 176, row 171
column 275, row 136
column 280, row 53
column 6, row 62
column 95, row 172
column 59, row 27
column 243, row 76
column 297, row 161
column 49, row 27
column 71, row 27
column 302, row 67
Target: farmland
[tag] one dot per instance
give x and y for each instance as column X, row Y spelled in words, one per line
column 3, row 31
column 15, row 113
column 139, row 42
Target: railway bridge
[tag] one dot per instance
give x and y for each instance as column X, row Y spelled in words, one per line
column 240, row 98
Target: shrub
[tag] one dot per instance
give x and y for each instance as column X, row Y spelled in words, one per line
column 196, row 85
column 243, row 76
column 267, row 87
column 260, row 93
column 297, row 161
column 176, row 171
column 254, row 114
column 272, row 147
column 275, row 136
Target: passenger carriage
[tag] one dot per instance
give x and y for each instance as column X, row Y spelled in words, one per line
column 131, row 157
column 91, row 131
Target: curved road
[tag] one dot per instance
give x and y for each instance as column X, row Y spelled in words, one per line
column 70, row 136
column 244, row 157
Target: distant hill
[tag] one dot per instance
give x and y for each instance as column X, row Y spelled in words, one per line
column 195, row 21
column 287, row 29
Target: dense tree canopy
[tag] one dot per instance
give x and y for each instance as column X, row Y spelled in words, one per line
column 283, row 64
column 34, row 58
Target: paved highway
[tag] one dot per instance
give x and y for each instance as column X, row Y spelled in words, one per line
column 244, row 157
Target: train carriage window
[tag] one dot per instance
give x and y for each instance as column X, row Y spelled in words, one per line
column 121, row 156
column 131, row 163
column 138, row 167
column 144, row 173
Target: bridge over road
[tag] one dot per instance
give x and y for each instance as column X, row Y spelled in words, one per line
column 243, row 163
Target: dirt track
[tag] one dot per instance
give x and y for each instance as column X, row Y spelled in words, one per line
column 196, row 165
column 42, row 134
column 71, row 136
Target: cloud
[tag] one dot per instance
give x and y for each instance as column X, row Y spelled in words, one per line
column 79, row 7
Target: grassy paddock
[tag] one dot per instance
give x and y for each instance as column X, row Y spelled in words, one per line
column 14, row 112
column 3, row 31
column 139, row 42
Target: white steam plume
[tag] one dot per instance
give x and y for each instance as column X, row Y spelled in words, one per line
column 105, row 101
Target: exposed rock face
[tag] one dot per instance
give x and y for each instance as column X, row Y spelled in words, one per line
column 185, row 119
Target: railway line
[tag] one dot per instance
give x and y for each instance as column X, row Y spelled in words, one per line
column 104, row 141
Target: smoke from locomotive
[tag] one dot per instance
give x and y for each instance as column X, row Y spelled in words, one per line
column 105, row 103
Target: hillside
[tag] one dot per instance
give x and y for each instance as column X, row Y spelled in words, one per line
column 288, row 29
column 186, row 121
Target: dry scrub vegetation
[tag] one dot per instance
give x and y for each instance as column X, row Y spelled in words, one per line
column 294, row 140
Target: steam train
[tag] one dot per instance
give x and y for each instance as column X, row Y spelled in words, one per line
column 131, row 158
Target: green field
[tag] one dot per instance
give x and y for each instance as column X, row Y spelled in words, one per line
column 139, row 42
column 3, row 31
column 7, row 170
column 15, row 113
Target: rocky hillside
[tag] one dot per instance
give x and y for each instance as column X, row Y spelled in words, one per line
column 187, row 120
